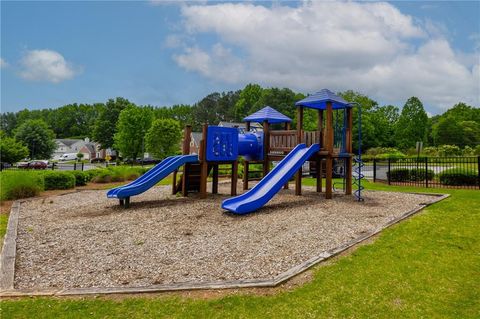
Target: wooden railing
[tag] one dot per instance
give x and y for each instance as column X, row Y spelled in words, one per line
column 282, row 141
column 285, row 141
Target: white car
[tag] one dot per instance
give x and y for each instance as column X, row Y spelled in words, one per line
column 68, row 157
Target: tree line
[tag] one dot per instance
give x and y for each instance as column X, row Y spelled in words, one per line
column 131, row 129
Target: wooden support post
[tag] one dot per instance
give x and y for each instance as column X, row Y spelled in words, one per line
column 318, row 168
column 266, row 147
column 186, row 169
column 127, row 202
column 329, row 147
column 298, row 175
column 174, row 182
column 245, row 175
column 203, row 163
column 187, row 137
column 349, row 149
column 287, row 128
column 247, row 126
column 320, row 129
column 234, row 178
column 215, row 179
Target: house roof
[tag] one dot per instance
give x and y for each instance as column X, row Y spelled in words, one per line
column 235, row 124
column 91, row 147
column 268, row 114
column 196, row 137
column 68, row 142
column 319, row 100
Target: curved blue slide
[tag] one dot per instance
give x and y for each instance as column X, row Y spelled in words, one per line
column 261, row 193
column 152, row 177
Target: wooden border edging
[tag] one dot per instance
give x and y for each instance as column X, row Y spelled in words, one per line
column 9, row 250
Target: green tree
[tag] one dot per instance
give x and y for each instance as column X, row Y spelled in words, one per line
column 8, row 122
column 412, row 124
column 183, row 113
column 11, row 151
column 383, row 119
column 38, row 138
column 106, row 124
column 133, row 124
column 369, row 138
column 80, row 156
column 250, row 94
column 163, row 138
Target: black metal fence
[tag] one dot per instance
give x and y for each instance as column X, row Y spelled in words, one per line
column 58, row 166
column 443, row 172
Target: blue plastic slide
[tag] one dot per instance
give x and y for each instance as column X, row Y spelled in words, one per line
column 261, row 193
column 152, row 177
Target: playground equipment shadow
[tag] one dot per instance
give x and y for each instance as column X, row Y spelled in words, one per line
column 84, row 240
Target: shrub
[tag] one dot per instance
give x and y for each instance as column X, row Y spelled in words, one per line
column 59, row 180
column 409, row 175
column 459, row 177
column 399, row 175
column 449, row 150
column 430, row 151
column 81, row 178
column 384, row 153
column 419, row 175
column 468, row 151
column 117, row 174
column 102, row 176
column 20, row 184
column 91, row 173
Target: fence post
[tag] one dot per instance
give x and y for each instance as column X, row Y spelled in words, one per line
column 74, row 166
column 388, row 171
column 426, row 172
column 53, row 166
column 374, row 170
column 82, row 166
column 478, row 171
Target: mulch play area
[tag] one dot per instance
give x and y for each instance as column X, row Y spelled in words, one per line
column 83, row 239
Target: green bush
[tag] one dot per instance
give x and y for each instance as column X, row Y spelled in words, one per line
column 399, row 175
column 20, row 184
column 117, row 174
column 459, row 177
column 409, row 175
column 59, row 180
column 81, row 178
column 419, row 175
column 91, row 173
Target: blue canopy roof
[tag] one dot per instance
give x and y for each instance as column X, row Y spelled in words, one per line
column 319, row 100
column 267, row 114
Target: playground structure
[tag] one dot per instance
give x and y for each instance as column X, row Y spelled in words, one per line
column 332, row 140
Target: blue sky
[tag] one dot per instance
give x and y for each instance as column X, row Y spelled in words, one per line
column 159, row 53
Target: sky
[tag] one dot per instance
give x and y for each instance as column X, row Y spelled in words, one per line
column 165, row 52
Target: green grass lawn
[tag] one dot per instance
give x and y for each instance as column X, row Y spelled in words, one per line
column 425, row 267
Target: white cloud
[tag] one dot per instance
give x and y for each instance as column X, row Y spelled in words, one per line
column 340, row 45
column 3, row 63
column 46, row 65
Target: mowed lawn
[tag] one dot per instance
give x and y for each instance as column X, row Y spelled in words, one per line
column 425, row 267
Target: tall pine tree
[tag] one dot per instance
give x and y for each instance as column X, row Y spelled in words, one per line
column 412, row 124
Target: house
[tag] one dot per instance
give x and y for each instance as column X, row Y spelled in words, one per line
column 195, row 138
column 241, row 126
column 90, row 150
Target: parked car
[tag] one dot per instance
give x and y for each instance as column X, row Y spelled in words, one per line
column 68, row 157
column 4, row 165
column 33, row 165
